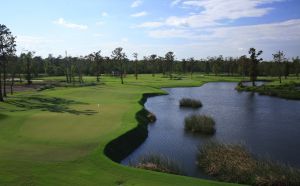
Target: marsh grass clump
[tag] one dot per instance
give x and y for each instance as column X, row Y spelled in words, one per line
column 233, row 163
column 159, row 163
column 188, row 102
column 200, row 124
column 272, row 173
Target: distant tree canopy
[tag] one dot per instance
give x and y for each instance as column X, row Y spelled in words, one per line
column 28, row 66
column 95, row 64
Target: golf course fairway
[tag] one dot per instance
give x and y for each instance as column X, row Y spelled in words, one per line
column 58, row 136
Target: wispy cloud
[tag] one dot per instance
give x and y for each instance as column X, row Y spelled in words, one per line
column 66, row 24
column 139, row 14
column 234, row 34
column 215, row 12
column 104, row 14
column 175, row 2
column 153, row 24
column 136, row 3
column 171, row 33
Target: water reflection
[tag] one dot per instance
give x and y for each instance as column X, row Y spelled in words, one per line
column 268, row 126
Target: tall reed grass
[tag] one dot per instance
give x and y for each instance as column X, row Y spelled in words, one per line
column 233, row 163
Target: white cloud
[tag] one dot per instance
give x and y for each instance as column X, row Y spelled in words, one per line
column 63, row 23
column 236, row 40
column 216, row 12
column 139, row 14
column 171, row 33
column 175, row 2
column 153, row 24
column 104, row 14
column 260, row 32
column 136, row 3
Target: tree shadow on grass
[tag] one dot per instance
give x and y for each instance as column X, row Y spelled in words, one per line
column 51, row 104
column 2, row 116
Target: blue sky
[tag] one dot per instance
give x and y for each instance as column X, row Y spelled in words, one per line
column 190, row 28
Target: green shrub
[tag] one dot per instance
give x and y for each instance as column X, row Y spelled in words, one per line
column 200, row 124
column 159, row 163
column 151, row 117
column 187, row 102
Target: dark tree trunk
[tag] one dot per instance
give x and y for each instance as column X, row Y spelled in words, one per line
column 98, row 71
column 4, row 78
column 280, row 79
column 67, row 77
column 1, row 96
column 135, row 72
column 12, row 83
column 28, row 72
column 171, row 70
column 20, row 78
column 153, row 69
column 121, row 74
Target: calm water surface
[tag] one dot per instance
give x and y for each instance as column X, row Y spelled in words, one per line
column 268, row 126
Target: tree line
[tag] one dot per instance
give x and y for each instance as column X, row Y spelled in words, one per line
column 26, row 66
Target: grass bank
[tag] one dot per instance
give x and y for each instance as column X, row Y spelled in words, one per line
column 58, row 136
column 289, row 89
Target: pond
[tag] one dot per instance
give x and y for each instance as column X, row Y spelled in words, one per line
column 268, row 126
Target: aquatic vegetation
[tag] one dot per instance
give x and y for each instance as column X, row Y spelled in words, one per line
column 200, row 124
column 159, row 163
column 188, row 102
column 234, row 163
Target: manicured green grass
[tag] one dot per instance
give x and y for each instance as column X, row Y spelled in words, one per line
column 57, row 136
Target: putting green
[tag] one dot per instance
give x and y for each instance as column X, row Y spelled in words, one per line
column 57, row 136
